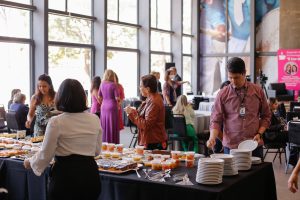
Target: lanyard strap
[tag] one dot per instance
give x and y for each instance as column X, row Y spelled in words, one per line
column 242, row 99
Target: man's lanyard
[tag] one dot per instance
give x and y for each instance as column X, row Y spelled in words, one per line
column 242, row 110
column 242, row 99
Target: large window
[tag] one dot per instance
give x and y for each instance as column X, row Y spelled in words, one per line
column 161, row 14
column 121, row 36
column 14, row 22
column 83, row 7
column 122, row 42
column 158, row 62
column 67, row 62
column 187, row 16
column 125, row 66
column 122, row 10
column 14, row 70
column 69, row 29
column 160, row 41
column 15, row 49
column 160, row 36
column 187, row 45
column 70, row 50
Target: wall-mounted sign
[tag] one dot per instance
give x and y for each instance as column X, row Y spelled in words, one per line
column 288, row 68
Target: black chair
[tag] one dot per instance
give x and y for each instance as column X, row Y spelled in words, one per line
column 282, row 110
column 168, row 118
column 179, row 131
column 202, row 139
column 3, row 127
column 12, row 122
column 197, row 100
column 293, row 139
column 275, row 140
column 291, row 115
column 293, row 104
column 133, row 127
column 2, row 112
column 279, row 91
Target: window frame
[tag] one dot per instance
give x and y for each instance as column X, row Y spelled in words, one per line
column 29, row 41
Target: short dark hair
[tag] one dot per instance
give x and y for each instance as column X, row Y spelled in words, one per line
column 236, row 65
column 150, row 81
column 71, row 97
column 272, row 100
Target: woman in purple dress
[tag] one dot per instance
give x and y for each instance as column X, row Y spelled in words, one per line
column 109, row 96
column 95, row 108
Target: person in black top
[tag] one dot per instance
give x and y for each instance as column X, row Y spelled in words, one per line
column 177, row 80
column 157, row 76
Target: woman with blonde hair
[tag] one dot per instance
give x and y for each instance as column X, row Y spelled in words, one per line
column 184, row 108
column 109, row 95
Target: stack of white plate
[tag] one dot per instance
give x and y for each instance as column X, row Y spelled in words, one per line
column 242, row 158
column 229, row 164
column 210, row 171
column 256, row 160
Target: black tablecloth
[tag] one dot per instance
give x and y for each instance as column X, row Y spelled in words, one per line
column 257, row 183
column 21, row 183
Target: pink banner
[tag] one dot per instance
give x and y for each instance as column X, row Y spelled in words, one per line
column 288, row 68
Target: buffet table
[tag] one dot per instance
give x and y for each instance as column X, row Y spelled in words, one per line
column 257, row 183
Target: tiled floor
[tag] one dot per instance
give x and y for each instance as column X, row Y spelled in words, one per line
column 281, row 178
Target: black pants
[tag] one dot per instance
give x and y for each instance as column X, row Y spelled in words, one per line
column 74, row 177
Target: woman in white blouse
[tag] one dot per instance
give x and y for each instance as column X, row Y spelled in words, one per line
column 182, row 107
column 73, row 138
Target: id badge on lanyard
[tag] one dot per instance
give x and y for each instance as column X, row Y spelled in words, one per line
column 242, row 112
column 242, row 109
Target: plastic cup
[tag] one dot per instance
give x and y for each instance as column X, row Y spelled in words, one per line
column 149, row 157
column 137, row 158
column 147, row 164
column 190, row 155
column 139, row 150
column 166, row 165
column 175, row 154
column 104, row 146
column 156, row 165
column 189, row 163
column 165, row 157
column 111, row 147
column 21, row 134
column 119, row 148
column 106, row 154
column 174, row 163
column 115, row 155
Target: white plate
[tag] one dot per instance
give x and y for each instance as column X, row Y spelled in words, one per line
column 211, row 161
column 197, row 155
column 248, row 144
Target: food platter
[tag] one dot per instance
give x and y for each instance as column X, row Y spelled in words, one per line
column 117, row 171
